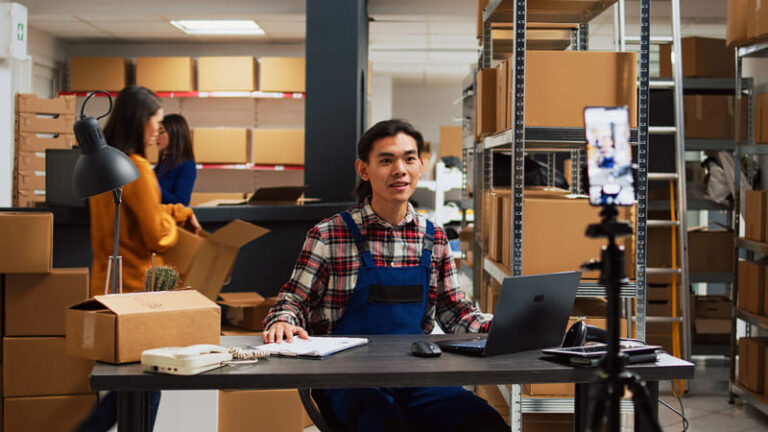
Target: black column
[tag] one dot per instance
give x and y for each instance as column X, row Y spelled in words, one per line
column 337, row 59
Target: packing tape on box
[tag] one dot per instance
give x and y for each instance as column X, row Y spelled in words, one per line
column 89, row 331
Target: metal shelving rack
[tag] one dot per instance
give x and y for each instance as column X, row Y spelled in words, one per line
column 759, row 49
column 520, row 139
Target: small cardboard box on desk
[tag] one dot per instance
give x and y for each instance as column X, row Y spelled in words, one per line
column 245, row 310
column 117, row 328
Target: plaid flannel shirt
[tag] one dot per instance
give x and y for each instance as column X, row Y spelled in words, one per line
column 325, row 273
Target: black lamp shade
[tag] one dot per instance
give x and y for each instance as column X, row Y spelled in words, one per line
column 100, row 168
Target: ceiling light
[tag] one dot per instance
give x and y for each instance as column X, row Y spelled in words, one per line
column 218, row 27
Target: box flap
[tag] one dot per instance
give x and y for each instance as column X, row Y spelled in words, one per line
column 132, row 303
column 240, row 299
column 276, row 194
column 237, row 233
column 183, row 252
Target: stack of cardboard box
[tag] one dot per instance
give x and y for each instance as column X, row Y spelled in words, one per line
column 43, row 387
column 184, row 74
column 40, row 124
column 747, row 21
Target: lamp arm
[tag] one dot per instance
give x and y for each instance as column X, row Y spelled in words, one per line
column 117, row 195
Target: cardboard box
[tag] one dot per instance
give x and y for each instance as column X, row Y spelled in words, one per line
column 450, row 141
column 755, row 215
column 713, row 307
column 282, row 74
column 30, row 180
column 220, row 145
column 710, row 250
column 712, row 116
column 245, row 310
column 493, row 396
column 271, row 410
column 30, row 103
column 30, row 161
column 702, row 57
column 38, row 142
column 547, row 422
column 165, row 73
column 38, row 366
column 481, row 5
column 45, row 123
column 502, row 96
column 277, row 146
column 226, row 73
column 97, row 73
column 658, row 291
column 560, row 84
column 752, row 286
column 757, row 23
column 47, row 413
column 738, row 17
column 485, row 103
column 545, row 227
column 743, row 372
column 26, row 242
column 205, row 261
column 752, row 366
column 665, row 340
column 29, row 198
column 35, row 302
column 116, row 328
column 211, row 199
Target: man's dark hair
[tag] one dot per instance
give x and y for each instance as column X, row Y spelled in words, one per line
column 382, row 129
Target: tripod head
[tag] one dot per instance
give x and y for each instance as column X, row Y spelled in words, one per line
column 611, row 264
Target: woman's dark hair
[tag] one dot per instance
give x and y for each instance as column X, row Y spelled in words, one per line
column 382, row 129
column 179, row 142
column 134, row 106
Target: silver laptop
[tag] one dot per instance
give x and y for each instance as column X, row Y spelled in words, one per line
column 531, row 313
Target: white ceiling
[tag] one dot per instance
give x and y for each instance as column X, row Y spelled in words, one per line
column 425, row 41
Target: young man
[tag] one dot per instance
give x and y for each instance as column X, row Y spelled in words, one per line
column 346, row 272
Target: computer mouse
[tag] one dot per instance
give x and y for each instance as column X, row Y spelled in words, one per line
column 425, row 348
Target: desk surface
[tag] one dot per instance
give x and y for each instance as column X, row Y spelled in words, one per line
column 385, row 361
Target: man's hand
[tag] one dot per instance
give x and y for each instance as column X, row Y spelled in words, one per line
column 280, row 330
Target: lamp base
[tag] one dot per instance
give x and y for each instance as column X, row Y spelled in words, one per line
column 118, row 264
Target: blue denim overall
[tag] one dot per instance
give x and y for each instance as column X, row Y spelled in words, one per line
column 393, row 300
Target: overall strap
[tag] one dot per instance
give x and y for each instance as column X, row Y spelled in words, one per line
column 360, row 241
column 429, row 243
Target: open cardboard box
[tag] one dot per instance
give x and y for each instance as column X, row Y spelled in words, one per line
column 205, row 262
column 245, row 310
column 116, row 328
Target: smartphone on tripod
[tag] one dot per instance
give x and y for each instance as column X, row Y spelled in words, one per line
column 609, row 156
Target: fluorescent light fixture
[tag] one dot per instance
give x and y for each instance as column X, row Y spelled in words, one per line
column 218, row 27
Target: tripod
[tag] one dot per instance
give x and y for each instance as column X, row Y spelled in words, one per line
column 613, row 378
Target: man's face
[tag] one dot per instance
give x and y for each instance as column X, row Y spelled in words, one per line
column 393, row 168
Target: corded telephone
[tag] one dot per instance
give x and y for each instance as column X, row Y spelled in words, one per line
column 189, row 360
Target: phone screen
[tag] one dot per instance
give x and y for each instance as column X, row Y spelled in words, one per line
column 609, row 156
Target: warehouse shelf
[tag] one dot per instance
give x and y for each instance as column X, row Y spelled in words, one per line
column 752, row 318
column 701, row 85
column 250, row 166
column 693, row 204
column 694, row 144
column 752, row 245
column 586, row 288
column 754, row 399
column 503, row 11
column 712, row 277
column 759, row 49
column 468, row 142
column 545, row 138
column 204, row 94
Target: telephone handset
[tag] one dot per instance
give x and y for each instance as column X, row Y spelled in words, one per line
column 193, row 351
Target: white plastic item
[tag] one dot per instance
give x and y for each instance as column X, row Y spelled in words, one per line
column 189, row 360
column 13, row 31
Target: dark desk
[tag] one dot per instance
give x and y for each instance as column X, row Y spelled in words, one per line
column 385, row 361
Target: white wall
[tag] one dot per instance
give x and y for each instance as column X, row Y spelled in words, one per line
column 381, row 99
column 428, row 107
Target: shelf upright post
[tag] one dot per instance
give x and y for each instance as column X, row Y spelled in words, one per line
column 736, row 222
column 642, row 160
column 518, row 144
column 682, row 231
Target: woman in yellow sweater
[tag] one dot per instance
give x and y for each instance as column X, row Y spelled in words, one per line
column 146, row 225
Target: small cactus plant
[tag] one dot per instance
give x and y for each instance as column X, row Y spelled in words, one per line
column 161, row 278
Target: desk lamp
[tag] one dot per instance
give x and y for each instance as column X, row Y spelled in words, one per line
column 99, row 169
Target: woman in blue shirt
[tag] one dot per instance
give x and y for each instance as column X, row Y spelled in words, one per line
column 176, row 170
